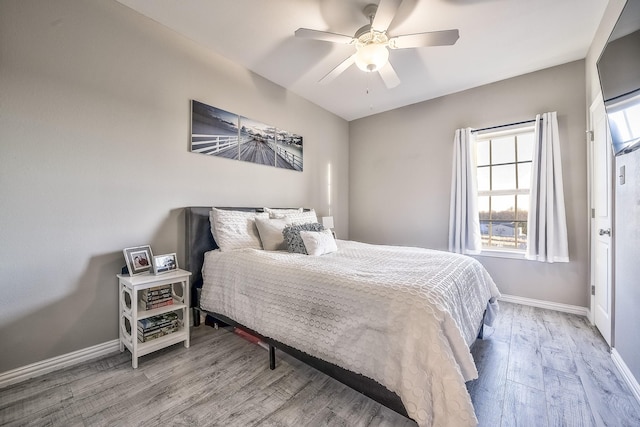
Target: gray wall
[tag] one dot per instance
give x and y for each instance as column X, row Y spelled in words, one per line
column 400, row 174
column 626, row 227
column 94, row 134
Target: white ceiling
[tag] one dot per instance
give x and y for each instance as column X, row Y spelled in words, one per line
column 498, row 39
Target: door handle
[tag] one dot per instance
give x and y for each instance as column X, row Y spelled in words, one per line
column 603, row 232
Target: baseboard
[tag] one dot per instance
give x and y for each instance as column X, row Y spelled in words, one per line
column 40, row 368
column 549, row 305
column 626, row 374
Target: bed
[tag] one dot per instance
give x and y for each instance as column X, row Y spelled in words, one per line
column 394, row 323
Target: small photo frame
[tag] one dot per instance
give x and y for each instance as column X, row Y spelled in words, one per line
column 165, row 263
column 139, row 259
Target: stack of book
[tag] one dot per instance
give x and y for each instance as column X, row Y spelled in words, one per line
column 157, row 326
column 155, row 297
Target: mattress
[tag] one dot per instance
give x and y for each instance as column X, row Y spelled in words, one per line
column 405, row 317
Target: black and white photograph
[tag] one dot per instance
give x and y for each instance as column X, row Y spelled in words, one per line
column 288, row 150
column 257, row 142
column 213, row 131
column 220, row 133
column 165, row 263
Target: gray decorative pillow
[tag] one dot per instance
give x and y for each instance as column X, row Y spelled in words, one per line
column 292, row 237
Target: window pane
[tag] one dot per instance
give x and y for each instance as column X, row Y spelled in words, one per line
column 523, row 207
column 500, row 236
column 521, row 235
column 483, row 207
column 506, row 230
column 525, row 147
column 483, row 179
column 503, row 150
column 504, row 177
column 524, row 175
column 483, row 153
column 485, row 233
column 503, row 207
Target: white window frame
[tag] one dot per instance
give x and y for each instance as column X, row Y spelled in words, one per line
column 489, row 134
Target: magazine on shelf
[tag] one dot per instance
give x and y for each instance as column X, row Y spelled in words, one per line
column 150, row 322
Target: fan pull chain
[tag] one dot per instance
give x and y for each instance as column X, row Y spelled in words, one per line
column 368, row 84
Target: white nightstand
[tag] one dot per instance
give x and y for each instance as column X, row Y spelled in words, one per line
column 131, row 311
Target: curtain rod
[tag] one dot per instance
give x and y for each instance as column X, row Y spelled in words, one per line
column 504, row 126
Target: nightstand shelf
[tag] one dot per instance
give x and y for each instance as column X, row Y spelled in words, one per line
column 131, row 311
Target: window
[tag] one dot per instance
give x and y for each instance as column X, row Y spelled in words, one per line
column 504, row 176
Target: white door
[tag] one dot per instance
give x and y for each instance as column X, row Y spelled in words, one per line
column 601, row 201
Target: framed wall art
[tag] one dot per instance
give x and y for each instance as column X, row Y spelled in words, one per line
column 220, row 133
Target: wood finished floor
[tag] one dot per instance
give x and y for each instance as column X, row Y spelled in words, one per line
column 537, row 368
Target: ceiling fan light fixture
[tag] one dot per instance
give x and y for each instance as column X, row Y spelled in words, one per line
column 371, row 57
column 373, row 43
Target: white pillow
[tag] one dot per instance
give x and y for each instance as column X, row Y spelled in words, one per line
column 270, row 230
column 302, row 217
column 235, row 229
column 319, row 242
column 279, row 213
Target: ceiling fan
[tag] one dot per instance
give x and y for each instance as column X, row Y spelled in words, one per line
column 373, row 43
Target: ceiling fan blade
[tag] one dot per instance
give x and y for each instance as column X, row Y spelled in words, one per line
column 306, row 33
column 433, row 38
column 338, row 70
column 385, row 14
column 389, row 76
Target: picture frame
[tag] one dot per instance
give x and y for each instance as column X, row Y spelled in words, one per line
column 165, row 263
column 139, row 259
column 220, row 133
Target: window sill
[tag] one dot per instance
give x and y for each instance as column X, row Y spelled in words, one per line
column 497, row 253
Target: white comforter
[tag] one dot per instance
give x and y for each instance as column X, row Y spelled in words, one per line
column 404, row 317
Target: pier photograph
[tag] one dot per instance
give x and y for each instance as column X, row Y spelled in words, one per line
column 289, row 150
column 257, row 142
column 214, row 131
column 220, row 133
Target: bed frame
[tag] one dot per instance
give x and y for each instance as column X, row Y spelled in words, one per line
column 198, row 241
